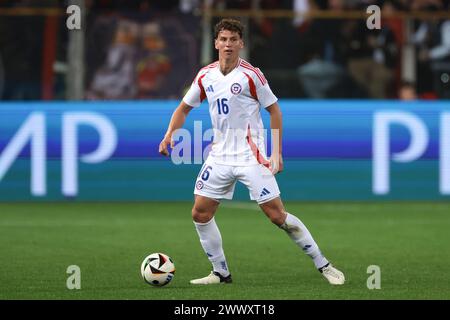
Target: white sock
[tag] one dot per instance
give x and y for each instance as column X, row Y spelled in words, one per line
column 211, row 241
column 298, row 232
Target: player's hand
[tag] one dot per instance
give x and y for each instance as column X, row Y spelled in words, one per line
column 276, row 162
column 163, row 145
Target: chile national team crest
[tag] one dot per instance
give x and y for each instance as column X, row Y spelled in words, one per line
column 199, row 185
column 236, row 88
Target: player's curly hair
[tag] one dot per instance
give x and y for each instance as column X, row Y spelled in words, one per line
column 230, row 25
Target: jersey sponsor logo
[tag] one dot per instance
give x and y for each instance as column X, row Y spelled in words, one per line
column 199, row 185
column 210, row 88
column 236, row 88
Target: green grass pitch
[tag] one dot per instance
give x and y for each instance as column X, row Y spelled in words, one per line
column 409, row 241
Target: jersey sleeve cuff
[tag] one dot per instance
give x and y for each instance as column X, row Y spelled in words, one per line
column 191, row 104
column 269, row 103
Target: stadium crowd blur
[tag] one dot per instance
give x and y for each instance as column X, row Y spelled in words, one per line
column 151, row 49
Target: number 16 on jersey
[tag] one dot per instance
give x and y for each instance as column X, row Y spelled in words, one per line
column 222, row 107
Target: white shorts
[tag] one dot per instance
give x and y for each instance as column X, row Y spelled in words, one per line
column 218, row 181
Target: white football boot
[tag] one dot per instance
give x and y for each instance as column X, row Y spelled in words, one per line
column 213, row 278
column 333, row 275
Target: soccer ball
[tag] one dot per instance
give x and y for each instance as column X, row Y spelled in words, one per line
column 157, row 269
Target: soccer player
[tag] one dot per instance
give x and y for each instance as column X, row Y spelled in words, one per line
column 236, row 91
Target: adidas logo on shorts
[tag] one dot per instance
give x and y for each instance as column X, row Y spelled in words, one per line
column 264, row 192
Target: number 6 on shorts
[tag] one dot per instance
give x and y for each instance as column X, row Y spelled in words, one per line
column 205, row 174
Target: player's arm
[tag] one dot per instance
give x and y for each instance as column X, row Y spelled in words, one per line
column 276, row 126
column 176, row 122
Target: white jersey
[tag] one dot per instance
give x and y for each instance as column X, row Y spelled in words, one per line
column 234, row 106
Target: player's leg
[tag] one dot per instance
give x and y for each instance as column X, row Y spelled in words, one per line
column 296, row 230
column 213, row 183
column 264, row 189
column 300, row 234
column 209, row 234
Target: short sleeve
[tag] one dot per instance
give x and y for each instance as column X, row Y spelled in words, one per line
column 259, row 88
column 265, row 95
column 196, row 93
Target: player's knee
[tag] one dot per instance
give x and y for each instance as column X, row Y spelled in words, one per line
column 274, row 210
column 200, row 215
column 278, row 218
column 276, row 215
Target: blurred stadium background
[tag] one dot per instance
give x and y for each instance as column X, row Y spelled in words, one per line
column 366, row 144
